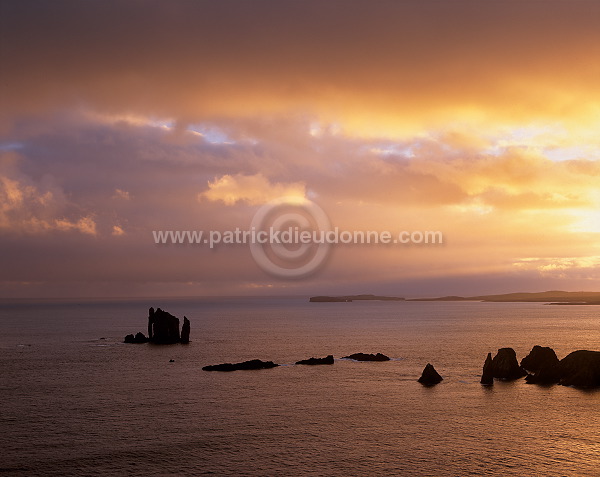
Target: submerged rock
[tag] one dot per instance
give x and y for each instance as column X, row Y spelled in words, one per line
column 487, row 376
column 580, row 368
column 315, row 361
column 542, row 365
column 430, row 376
column 505, row 365
column 246, row 365
column 367, row 357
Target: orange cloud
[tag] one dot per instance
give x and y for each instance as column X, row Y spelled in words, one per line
column 85, row 225
column 254, row 190
column 25, row 209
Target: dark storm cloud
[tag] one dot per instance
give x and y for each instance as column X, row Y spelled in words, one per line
column 195, row 59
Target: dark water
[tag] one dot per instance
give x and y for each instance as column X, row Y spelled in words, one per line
column 75, row 404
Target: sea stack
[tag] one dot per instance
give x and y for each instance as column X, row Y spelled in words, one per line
column 581, row 369
column 543, row 366
column 487, row 376
column 430, row 376
column 185, row 331
column 505, row 365
column 163, row 328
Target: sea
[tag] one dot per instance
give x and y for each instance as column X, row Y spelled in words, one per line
column 77, row 401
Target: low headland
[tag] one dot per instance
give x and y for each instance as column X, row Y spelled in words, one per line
column 552, row 297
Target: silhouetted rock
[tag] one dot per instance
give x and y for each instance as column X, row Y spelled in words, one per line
column 487, row 376
column 430, row 376
column 150, row 322
column 316, row 361
column 580, row 368
column 367, row 357
column 246, row 365
column 163, row 328
column 505, row 365
column 542, row 365
column 185, row 331
column 138, row 338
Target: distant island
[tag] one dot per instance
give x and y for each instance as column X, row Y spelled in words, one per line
column 555, row 296
column 350, row 298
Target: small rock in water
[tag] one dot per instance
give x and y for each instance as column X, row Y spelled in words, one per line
column 246, row 365
column 367, row 357
column 316, row 361
column 430, row 376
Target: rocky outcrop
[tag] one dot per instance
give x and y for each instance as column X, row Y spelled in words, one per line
column 542, row 364
column 163, row 328
column 367, row 357
column 505, row 365
column 580, row 368
column 430, row 376
column 316, row 361
column 246, row 365
column 138, row 338
column 185, row 331
column 487, row 376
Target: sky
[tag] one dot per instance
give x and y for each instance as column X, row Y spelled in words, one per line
column 478, row 119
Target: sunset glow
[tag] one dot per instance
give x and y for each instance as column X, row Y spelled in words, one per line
column 477, row 120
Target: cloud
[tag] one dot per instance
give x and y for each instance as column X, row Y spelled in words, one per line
column 27, row 208
column 255, row 189
column 121, row 194
column 85, row 225
column 479, row 122
column 397, row 69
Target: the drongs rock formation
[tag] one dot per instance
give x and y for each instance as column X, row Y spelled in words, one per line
column 367, row 357
column 163, row 328
column 505, row 365
column 246, row 365
column 430, row 376
column 316, row 361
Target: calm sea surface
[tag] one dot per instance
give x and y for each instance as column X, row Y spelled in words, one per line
column 75, row 400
